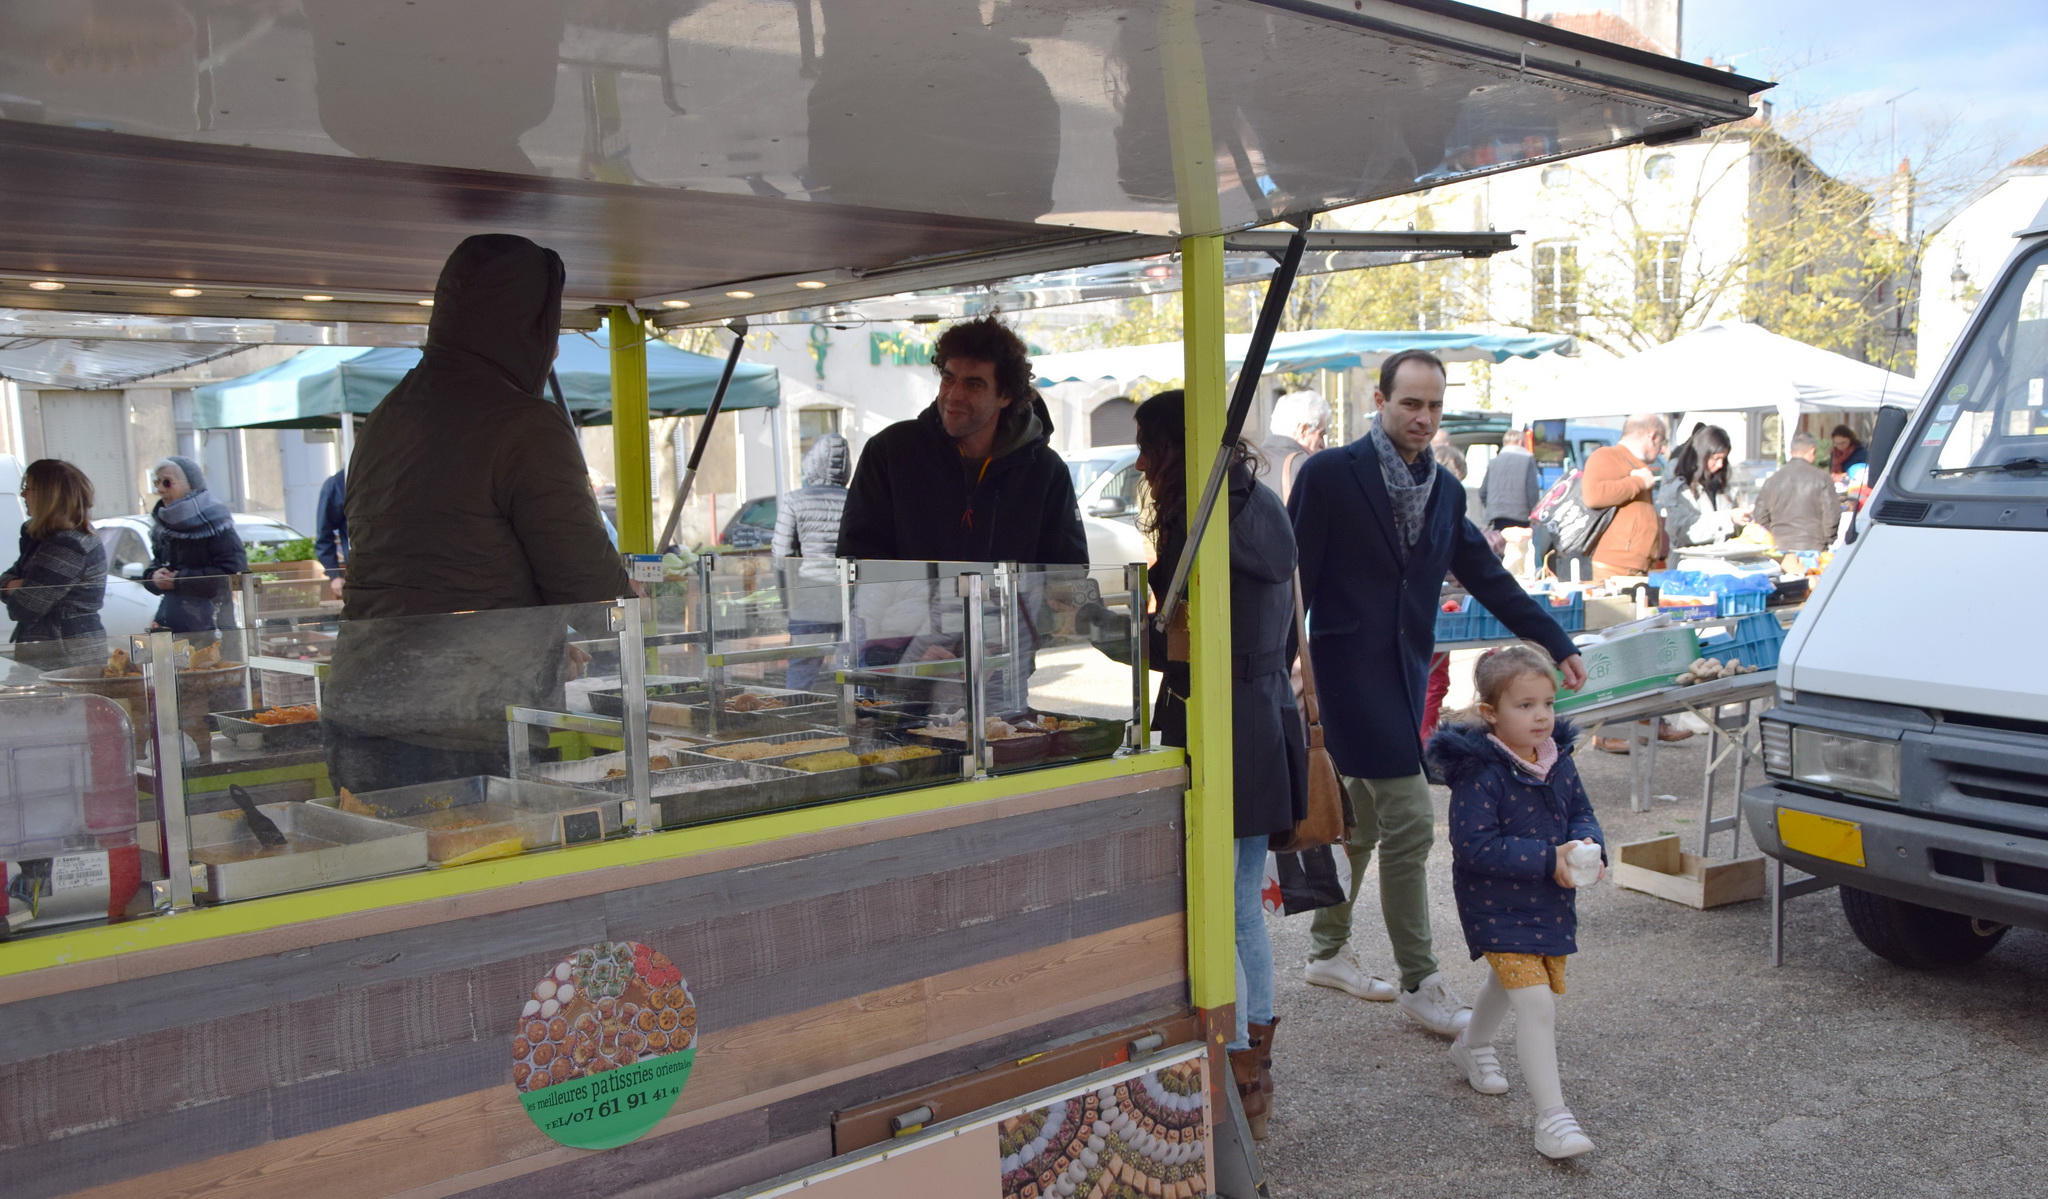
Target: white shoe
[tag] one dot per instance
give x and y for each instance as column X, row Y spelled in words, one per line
column 1436, row 1007
column 1481, row 1066
column 1558, row 1137
column 1342, row 974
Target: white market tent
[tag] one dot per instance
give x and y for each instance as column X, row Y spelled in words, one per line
column 1728, row 366
column 1304, row 350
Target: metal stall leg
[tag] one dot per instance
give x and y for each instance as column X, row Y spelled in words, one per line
column 633, row 698
column 170, row 768
column 973, row 591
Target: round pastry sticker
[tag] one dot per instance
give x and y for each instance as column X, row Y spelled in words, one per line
column 604, row 1045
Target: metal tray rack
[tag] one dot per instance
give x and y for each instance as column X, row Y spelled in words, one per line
column 590, row 773
column 325, row 847
column 523, row 808
column 234, row 725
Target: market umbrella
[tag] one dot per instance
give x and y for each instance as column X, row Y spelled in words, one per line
column 308, row 391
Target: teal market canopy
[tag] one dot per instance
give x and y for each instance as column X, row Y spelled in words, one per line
column 1292, row 353
column 310, row 390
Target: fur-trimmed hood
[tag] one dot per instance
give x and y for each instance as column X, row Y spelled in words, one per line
column 1462, row 751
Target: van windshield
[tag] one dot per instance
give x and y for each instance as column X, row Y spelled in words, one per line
column 1985, row 437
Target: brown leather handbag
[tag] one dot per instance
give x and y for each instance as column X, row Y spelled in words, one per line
column 1328, row 820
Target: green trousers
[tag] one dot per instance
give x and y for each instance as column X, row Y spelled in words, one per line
column 1395, row 815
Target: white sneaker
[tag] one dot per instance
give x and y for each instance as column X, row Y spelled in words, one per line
column 1436, row 1007
column 1558, row 1137
column 1342, row 974
column 1481, row 1065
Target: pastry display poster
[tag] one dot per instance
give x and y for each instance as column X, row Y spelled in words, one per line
column 604, row 1045
column 1140, row 1137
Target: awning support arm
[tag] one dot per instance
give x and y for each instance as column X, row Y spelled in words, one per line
column 738, row 326
column 1240, row 407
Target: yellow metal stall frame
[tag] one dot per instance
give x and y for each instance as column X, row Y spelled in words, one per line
column 632, row 468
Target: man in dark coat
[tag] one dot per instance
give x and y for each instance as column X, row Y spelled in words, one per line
column 974, row 477
column 1798, row 503
column 330, row 538
column 470, row 524
column 1378, row 524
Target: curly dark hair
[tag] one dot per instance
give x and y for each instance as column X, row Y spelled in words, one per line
column 988, row 339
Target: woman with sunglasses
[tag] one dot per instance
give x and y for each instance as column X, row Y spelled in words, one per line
column 196, row 549
column 56, row 586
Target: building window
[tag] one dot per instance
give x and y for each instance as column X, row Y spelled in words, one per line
column 1659, row 263
column 1660, row 166
column 1556, row 286
column 811, row 424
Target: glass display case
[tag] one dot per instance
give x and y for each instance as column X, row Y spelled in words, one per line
column 304, row 750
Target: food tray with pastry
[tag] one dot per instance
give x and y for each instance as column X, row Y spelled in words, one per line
column 674, row 689
column 607, row 772
column 1009, row 745
column 463, row 816
column 1074, row 737
column 288, row 726
column 744, row 711
column 774, row 746
column 322, row 846
column 723, row 790
column 885, row 714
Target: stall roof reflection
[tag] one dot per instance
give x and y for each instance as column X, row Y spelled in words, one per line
column 345, row 144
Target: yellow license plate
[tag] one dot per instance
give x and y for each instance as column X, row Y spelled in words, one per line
column 1821, row 836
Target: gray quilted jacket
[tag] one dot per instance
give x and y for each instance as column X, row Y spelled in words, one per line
column 807, row 526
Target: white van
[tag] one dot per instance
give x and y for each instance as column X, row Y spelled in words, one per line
column 1908, row 751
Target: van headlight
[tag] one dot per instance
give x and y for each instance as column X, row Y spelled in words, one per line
column 1864, row 765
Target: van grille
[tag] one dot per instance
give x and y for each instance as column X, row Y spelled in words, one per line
column 1902, row 512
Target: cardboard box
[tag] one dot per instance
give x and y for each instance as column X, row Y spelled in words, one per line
column 1659, row 867
column 1631, row 663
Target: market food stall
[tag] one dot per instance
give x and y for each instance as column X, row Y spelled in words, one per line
column 989, row 930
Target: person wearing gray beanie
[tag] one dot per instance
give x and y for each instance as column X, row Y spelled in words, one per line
column 195, row 549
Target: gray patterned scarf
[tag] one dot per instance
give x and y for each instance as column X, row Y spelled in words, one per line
column 1408, row 485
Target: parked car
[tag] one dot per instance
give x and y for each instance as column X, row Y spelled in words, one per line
column 1108, row 485
column 752, row 527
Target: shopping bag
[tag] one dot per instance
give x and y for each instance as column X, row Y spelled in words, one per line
column 1309, row 880
column 1329, row 811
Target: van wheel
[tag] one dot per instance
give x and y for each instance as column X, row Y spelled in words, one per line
column 1919, row 938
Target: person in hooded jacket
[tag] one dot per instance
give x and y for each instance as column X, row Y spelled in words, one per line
column 1519, row 814
column 974, row 477
column 195, row 549
column 807, row 526
column 467, row 494
column 1269, row 747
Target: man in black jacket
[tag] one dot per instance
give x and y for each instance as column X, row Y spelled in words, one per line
column 974, row 477
column 1377, row 525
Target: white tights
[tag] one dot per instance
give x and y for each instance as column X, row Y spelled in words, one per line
column 1535, row 1034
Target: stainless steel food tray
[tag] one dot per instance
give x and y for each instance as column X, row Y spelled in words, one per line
column 589, row 773
column 523, row 808
column 301, row 735
column 853, row 744
column 724, row 790
column 334, row 847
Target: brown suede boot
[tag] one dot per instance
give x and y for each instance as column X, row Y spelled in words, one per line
column 1244, row 1070
column 1262, row 1036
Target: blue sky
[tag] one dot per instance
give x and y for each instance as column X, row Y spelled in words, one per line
column 1982, row 63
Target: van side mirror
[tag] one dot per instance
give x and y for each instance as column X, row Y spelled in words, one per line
column 1891, row 422
column 132, row 570
column 1108, row 506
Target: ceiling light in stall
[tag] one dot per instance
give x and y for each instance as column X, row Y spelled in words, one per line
column 316, row 299
column 424, row 303
column 810, row 284
column 47, row 285
column 675, row 303
column 740, row 295
column 185, row 293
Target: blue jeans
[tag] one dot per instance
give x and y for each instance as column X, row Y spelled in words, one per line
column 1254, row 951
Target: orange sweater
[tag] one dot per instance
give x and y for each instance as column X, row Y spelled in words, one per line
column 1634, row 540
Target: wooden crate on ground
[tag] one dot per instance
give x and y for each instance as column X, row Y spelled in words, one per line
column 1659, row 867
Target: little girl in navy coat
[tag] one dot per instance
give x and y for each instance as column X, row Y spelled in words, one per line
column 1517, row 810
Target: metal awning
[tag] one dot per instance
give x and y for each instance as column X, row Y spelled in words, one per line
column 260, row 155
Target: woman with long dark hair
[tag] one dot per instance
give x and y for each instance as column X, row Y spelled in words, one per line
column 1694, row 496
column 55, row 588
column 1270, row 770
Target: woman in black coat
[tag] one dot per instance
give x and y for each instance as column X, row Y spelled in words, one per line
column 1269, row 752
column 56, row 586
column 195, row 547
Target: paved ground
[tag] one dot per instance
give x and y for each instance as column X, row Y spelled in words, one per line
column 1696, row 1067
